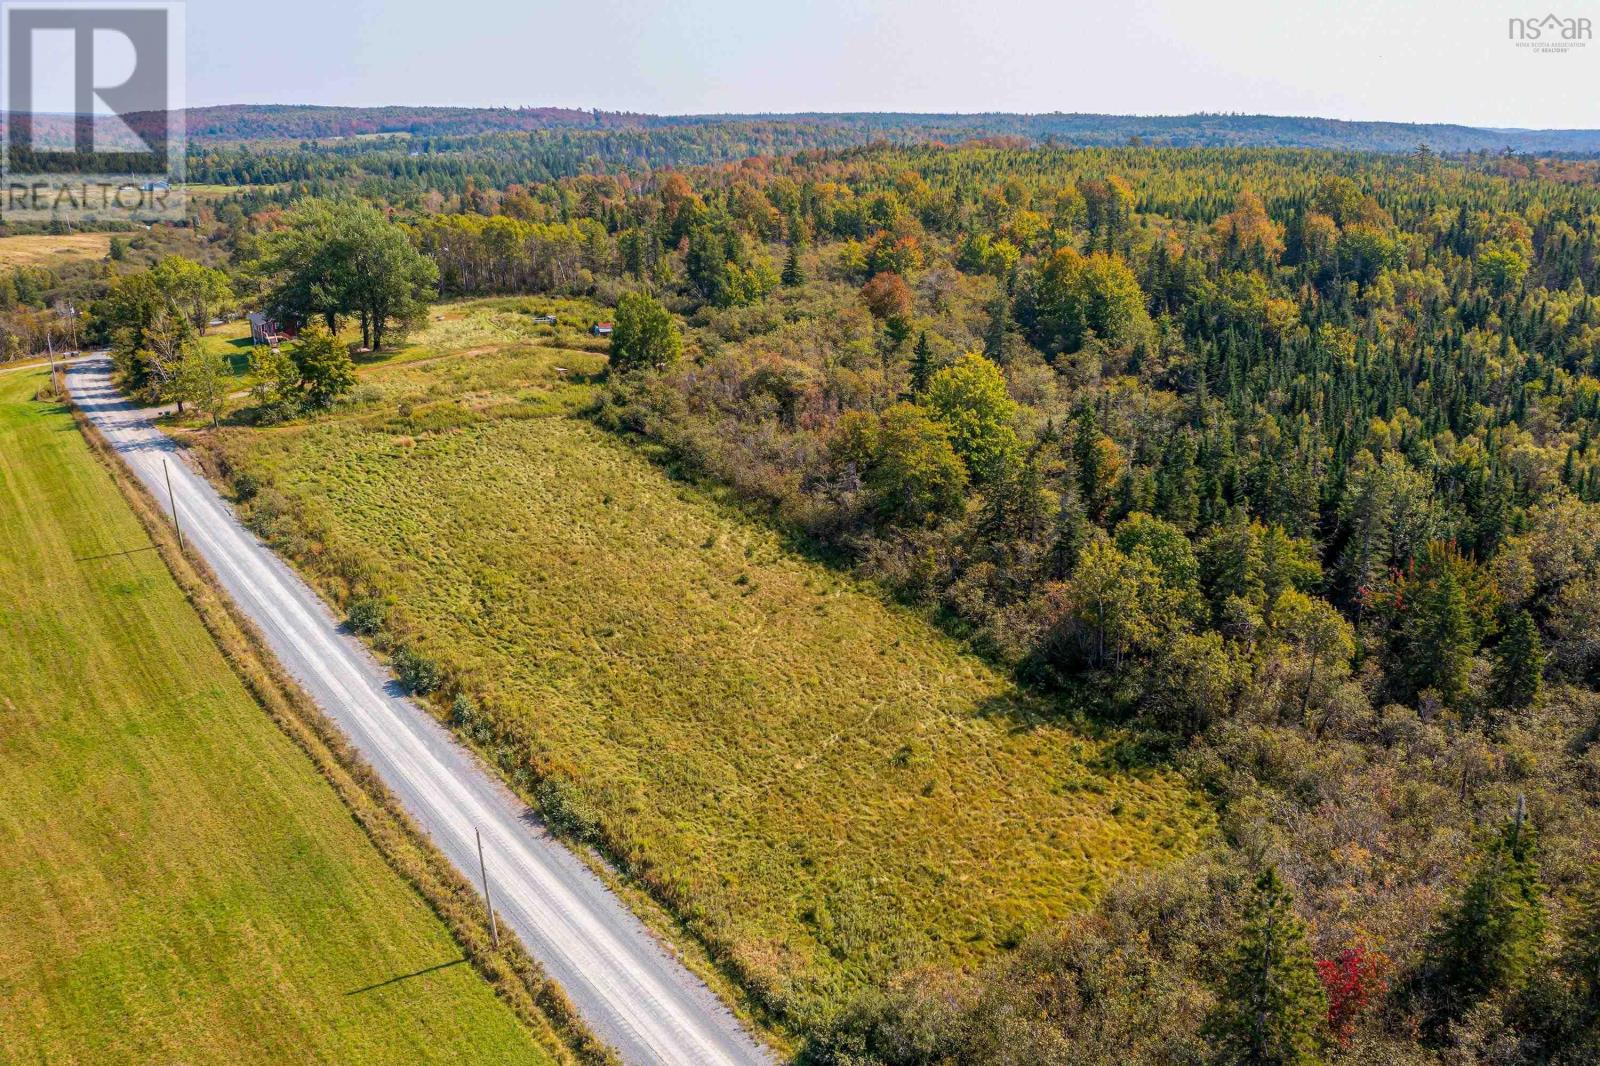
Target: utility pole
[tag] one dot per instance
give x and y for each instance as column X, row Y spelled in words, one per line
column 173, row 501
column 483, row 871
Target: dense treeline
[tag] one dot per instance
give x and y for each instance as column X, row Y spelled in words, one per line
column 440, row 158
column 445, row 162
column 1286, row 459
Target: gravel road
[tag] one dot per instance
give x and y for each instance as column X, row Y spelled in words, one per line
column 630, row 991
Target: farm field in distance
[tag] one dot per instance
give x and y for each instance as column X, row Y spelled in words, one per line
column 826, row 788
column 44, row 250
column 180, row 884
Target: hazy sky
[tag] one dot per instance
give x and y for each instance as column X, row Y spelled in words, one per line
column 1411, row 60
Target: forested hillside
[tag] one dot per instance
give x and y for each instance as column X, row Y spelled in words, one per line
column 1282, row 461
column 287, row 122
column 1286, row 457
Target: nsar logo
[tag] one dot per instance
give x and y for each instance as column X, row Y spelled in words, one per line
column 1552, row 33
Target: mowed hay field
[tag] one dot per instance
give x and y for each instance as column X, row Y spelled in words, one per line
column 43, row 250
column 828, row 789
column 177, row 882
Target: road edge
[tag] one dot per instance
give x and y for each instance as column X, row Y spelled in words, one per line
column 514, row 975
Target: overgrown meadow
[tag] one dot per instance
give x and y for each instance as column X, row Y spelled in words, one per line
column 825, row 788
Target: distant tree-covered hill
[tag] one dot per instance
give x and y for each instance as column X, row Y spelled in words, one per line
column 252, row 122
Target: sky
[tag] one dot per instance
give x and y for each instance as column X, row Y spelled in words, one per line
column 1401, row 60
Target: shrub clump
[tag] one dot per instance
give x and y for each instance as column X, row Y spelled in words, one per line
column 469, row 718
column 566, row 810
column 367, row 615
column 418, row 673
column 245, row 486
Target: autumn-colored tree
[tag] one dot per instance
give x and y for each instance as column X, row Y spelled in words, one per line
column 1247, row 231
column 1353, row 980
column 894, row 255
column 890, row 301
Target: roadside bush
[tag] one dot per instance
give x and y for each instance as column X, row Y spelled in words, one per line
column 245, row 486
column 418, row 673
column 367, row 615
column 566, row 810
column 271, row 515
column 467, row 716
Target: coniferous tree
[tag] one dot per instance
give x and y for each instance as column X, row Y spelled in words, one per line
column 794, row 274
column 1273, row 1009
column 1000, row 325
column 1178, row 483
column 1489, row 941
column 1440, row 638
column 921, row 365
column 1583, row 963
column 1518, row 663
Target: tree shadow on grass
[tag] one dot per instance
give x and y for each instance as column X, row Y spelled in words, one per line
column 1124, row 746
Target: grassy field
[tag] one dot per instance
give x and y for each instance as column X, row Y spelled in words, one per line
column 478, row 327
column 231, row 340
column 177, row 882
column 827, row 789
column 43, row 250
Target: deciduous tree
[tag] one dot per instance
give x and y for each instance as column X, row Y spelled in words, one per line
column 970, row 399
column 326, row 372
column 644, row 334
